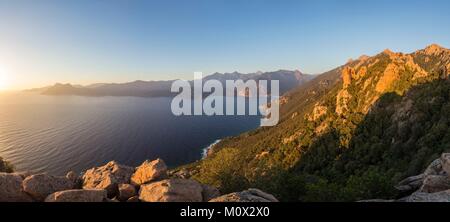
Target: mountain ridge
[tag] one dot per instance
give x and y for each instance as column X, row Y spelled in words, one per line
column 288, row 80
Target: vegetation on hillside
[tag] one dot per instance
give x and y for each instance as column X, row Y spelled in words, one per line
column 345, row 139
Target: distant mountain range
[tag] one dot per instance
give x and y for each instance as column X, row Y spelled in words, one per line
column 288, row 80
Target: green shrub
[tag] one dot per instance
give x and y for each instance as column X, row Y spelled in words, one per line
column 6, row 166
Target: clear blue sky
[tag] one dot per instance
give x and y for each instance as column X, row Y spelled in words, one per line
column 85, row 41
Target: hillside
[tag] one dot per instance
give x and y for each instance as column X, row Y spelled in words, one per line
column 350, row 134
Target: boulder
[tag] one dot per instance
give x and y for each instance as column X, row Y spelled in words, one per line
column 411, row 183
column 171, row 190
column 41, row 185
column 126, row 191
column 445, row 160
column 435, row 183
column 107, row 177
column 435, row 168
column 250, row 195
column 209, row 192
column 443, row 196
column 149, row 171
column 78, row 196
column 11, row 188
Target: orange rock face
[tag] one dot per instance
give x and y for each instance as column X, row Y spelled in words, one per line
column 347, row 74
column 362, row 72
column 389, row 76
column 342, row 99
column 318, row 111
column 149, row 171
column 434, row 49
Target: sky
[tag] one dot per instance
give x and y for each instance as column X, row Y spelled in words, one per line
column 91, row 41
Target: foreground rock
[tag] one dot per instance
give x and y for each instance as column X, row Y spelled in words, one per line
column 443, row 196
column 41, row 185
column 445, row 160
column 107, row 177
column 435, row 175
column 431, row 186
column 435, row 183
column 78, row 196
column 171, row 190
column 126, row 191
column 149, row 171
column 435, row 168
column 411, row 183
column 117, row 183
column 11, row 188
column 250, row 195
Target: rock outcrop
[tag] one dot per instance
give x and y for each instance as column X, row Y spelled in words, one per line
column 11, row 188
column 347, row 75
column 431, row 186
column 250, row 195
column 41, row 185
column 172, row 190
column 317, row 112
column 149, row 171
column 107, row 177
column 443, row 196
column 391, row 74
column 445, row 162
column 116, row 183
column 435, row 183
column 126, row 191
column 410, row 183
column 78, row 196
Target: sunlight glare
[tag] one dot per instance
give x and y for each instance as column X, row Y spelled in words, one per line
column 3, row 79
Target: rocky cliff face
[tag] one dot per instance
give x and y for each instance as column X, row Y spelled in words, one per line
column 114, row 182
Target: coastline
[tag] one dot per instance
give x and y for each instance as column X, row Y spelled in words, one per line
column 206, row 149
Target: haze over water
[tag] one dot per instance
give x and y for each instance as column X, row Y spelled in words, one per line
column 56, row 134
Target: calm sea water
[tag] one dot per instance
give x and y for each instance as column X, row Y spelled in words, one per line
column 56, row 134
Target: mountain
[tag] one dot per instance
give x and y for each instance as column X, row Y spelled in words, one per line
column 288, row 80
column 136, row 88
column 349, row 134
